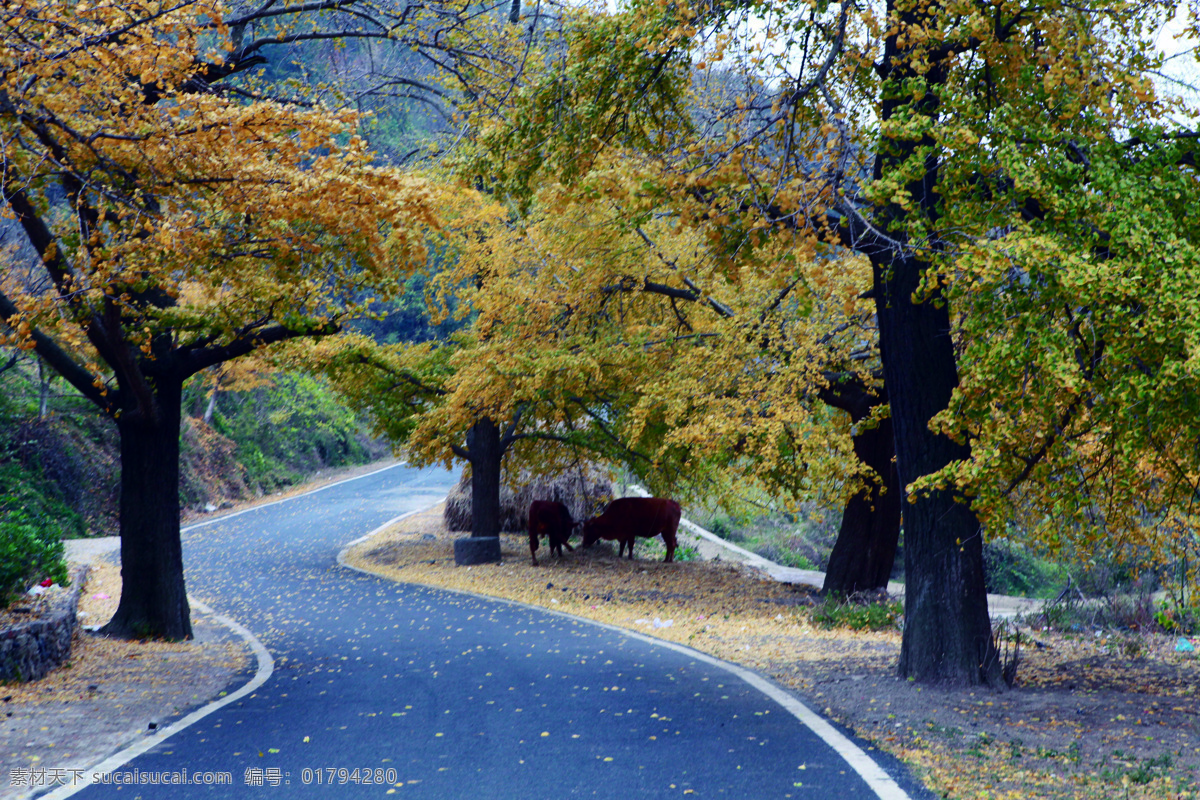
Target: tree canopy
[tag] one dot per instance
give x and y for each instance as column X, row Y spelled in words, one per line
column 1020, row 190
column 177, row 226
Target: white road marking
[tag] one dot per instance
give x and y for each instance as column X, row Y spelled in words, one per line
column 868, row 769
column 266, row 667
column 266, row 664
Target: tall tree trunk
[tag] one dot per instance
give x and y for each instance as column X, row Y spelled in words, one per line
column 865, row 550
column 44, row 376
column 211, row 407
column 947, row 632
column 483, row 443
column 153, row 598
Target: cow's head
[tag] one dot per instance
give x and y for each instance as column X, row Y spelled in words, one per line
column 591, row 531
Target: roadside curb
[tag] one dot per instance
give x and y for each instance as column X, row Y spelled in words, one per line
column 265, row 666
column 30, row 650
column 999, row 606
column 872, row 773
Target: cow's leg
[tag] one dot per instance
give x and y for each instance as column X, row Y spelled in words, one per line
column 669, row 539
column 533, row 546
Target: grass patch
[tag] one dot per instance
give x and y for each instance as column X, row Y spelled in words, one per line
column 857, row 614
column 802, row 540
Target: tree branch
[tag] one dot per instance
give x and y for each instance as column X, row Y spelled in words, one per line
column 247, row 342
column 62, row 362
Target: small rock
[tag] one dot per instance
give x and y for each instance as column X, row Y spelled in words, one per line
column 93, row 687
column 153, row 725
column 209, row 508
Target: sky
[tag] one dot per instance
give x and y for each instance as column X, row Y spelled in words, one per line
column 1181, row 62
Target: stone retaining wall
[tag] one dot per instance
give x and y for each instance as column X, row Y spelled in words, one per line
column 29, row 650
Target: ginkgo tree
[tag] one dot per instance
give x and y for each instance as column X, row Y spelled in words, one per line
column 591, row 336
column 179, row 226
column 983, row 157
column 596, row 82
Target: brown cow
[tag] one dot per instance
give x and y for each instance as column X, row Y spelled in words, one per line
column 627, row 518
column 552, row 520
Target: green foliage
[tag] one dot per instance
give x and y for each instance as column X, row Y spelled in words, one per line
column 60, row 465
column 288, row 429
column 407, row 318
column 28, row 554
column 1178, row 615
column 1011, row 569
column 653, row 549
column 32, row 525
column 565, row 114
column 802, row 540
column 722, row 525
column 857, row 615
column 1128, row 768
column 1093, row 342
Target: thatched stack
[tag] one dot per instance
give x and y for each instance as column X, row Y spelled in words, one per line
column 584, row 491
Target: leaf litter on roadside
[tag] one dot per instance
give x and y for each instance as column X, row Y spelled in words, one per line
column 1091, row 717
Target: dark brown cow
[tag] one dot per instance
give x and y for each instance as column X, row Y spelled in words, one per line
column 552, row 520
column 627, row 518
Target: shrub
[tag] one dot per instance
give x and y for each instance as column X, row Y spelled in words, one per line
column 33, row 522
column 784, row 556
column 1011, row 569
column 857, row 614
column 29, row 553
column 1178, row 617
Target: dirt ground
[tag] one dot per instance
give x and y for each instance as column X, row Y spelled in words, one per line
column 1090, row 717
column 110, row 694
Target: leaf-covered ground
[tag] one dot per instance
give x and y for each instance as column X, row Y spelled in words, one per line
column 110, row 691
column 1091, row 717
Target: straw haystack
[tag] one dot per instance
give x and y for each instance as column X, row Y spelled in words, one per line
column 584, row 491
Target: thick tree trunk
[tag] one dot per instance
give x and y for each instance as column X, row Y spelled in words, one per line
column 865, row 549
column 153, row 598
column 483, row 443
column 947, row 632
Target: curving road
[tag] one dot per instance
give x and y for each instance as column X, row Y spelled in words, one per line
column 381, row 688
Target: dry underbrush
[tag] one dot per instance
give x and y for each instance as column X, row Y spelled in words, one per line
column 1091, row 717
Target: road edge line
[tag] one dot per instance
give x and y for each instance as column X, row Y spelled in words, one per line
column 341, row 556
column 306, row 493
column 867, row 768
column 266, row 667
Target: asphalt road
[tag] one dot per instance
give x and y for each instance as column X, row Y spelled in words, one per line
column 381, row 688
